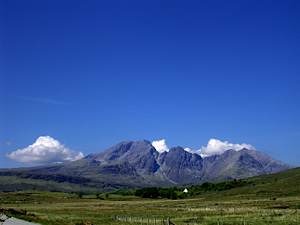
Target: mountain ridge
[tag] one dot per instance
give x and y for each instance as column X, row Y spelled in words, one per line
column 139, row 164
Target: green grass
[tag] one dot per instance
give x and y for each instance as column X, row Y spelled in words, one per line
column 58, row 208
column 271, row 199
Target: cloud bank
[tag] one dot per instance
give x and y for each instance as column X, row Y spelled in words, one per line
column 213, row 147
column 160, row 145
column 45, row 150
column 217, row 147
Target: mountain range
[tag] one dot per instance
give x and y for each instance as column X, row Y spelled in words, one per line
column 138, row 164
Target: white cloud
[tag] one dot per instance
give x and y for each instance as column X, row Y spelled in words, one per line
column 213, row 147
column 45, row 150
column 217, row 147
column 190, row 150
column 160, row 145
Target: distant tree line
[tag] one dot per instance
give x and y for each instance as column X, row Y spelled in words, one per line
column 221, row 186
column 194, row 190
column 156, row 192
column 172, row 192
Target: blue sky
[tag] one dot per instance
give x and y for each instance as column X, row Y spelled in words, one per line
column 93, row 73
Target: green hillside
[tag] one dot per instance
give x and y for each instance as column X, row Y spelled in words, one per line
column 286, row 183
column 14, row 183
column 282, row 184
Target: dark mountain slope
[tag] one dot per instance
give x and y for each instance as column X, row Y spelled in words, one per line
column 240, row 164
column 180, row 166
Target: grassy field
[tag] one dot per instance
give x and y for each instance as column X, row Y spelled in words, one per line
column 272, row 199
column 60, row 208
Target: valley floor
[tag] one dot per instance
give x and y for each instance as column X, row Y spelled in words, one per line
column 214, row 209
